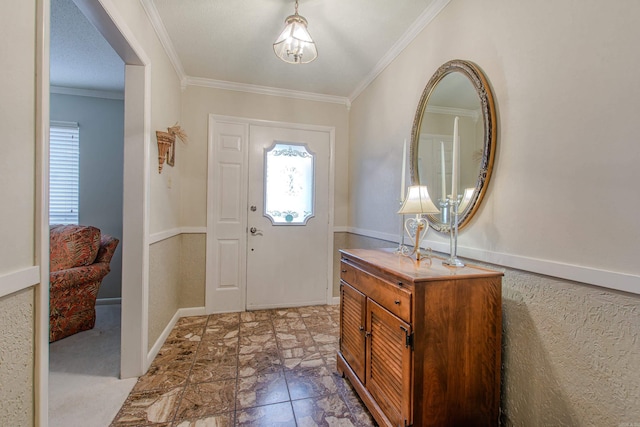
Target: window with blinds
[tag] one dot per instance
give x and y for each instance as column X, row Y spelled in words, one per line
column 64, row 172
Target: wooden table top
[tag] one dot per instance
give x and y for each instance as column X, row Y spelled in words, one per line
column 408, row 268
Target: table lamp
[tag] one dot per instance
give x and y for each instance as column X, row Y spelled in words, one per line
column 417, row 202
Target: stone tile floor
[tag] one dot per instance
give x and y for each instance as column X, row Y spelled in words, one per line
column 258, row 368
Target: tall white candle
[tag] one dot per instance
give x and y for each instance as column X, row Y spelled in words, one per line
column 443, row 172
column 404, row 169
column 454, row 160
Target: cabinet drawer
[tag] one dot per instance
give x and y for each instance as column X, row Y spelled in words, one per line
column 388, row 295
column 348, row 273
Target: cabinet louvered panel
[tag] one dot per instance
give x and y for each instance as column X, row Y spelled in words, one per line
column 388, row 368
column 352, row 317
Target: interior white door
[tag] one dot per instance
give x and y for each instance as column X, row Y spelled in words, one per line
column 287, row 254
column 226, row 215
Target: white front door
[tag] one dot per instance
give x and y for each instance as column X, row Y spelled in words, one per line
column 288, row 217
column 285, row 261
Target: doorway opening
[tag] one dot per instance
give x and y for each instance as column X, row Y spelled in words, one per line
column 134, row 173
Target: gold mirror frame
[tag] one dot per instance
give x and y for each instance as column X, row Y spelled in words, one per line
column 483, row 90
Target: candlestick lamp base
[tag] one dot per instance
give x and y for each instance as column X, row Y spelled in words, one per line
column 453, row 262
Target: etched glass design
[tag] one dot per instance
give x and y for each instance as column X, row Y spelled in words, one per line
column 289, row 184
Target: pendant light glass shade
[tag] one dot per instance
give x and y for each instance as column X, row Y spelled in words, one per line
column 294, row 44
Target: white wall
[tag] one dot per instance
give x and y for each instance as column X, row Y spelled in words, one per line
column 563, row 75
column 101, row 157
column 17, row 115
column 567, row 94
column 163, row 94
column 17, row 214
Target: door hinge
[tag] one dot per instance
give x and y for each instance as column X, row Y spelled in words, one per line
column 408, row 338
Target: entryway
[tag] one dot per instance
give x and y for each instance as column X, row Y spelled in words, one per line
column 269, row 214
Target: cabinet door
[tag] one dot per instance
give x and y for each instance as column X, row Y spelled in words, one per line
column 388, row 368
column 352, row 318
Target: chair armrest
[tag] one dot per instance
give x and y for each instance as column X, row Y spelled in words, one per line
column 59, row 280
column 108, row 245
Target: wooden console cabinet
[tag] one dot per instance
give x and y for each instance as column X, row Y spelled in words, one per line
column 421, row 343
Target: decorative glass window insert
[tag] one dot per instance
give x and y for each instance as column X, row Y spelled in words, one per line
column 289, row 183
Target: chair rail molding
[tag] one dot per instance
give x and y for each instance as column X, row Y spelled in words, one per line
column 592, row 276
column 167, row 234
column 18, row 280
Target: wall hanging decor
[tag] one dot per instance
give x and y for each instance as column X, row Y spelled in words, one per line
column 166, row 145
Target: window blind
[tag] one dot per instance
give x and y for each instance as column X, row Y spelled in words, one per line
column 64, row 172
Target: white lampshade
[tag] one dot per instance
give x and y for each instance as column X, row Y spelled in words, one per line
column 294, row 44
column 418, row 201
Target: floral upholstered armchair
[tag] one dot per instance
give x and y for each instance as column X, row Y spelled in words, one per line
column 79, row 259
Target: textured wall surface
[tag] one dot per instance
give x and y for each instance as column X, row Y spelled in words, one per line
column 192, row 270
column 16, row 359
column 571, row 352
column 164, row 283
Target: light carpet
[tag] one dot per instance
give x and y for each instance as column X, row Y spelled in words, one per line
column 84, row 369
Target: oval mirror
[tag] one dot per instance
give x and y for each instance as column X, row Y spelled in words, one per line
column 457, row 89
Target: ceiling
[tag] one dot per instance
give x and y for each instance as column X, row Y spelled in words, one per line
column 228, row 43
column 79, row 56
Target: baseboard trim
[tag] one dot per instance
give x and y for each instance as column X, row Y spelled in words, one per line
column 335, row 300
column 109, row 301
column 181, row 312
column 191, row 311
column 293, row 304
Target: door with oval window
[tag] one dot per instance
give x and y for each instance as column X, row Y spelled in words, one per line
column 288, row 217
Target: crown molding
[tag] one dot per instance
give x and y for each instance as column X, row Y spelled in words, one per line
column 186, row 80
column 165, row 40
column 474, row 114
column 412, row 32
column 93, row 93
column 266, row 90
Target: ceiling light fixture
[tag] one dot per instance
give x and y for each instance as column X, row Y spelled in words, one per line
column 294, row 44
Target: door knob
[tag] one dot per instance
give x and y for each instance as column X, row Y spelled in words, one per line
column 255, row 232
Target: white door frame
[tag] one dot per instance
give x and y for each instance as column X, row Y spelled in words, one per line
column 137, row 136
column 211, row 237
column 135, row 222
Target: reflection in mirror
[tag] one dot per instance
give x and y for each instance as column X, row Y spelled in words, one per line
column 457, row 89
